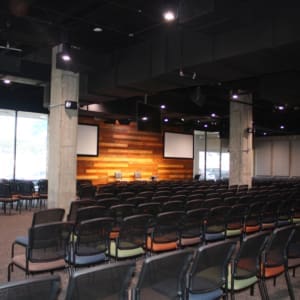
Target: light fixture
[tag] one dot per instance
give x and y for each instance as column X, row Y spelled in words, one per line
column 281, row 126
column 97, row 29
column 131, row 34
column 6, row 81
column 169, row 15
column 235, row 96
column 182, row 119
column 162, row 106
column 213, row 115
column 166, row 120
column 144, row 118
column 205, row 125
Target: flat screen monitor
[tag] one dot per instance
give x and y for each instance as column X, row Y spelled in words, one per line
column 87, row 140
column 178, row 145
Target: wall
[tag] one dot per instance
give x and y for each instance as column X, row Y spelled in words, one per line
column 277, row 156
column 123, row 148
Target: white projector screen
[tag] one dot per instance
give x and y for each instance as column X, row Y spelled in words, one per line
column 178, row 145
column 87, row 140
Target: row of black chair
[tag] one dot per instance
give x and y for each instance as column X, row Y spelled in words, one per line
column 210, row 272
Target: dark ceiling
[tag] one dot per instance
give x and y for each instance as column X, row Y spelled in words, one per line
column 213, row 48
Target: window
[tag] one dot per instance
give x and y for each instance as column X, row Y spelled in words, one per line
column 7, row 143
column 23, row 145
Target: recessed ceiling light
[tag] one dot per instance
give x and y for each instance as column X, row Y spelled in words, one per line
column 205, row 125
column 166, row 120
column 281, row 126
column 213, row 115
column 66, row 57
column 97, row 29
column 234, row 96
column 182, row 119
column 264, row 133
column 162, row 106
column 280, row 107
column 139, row 11
column 144, row 118
column 6, row 81
column 169, row 16
column 131, row 34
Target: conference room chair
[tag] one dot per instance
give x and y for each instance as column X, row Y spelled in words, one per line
column 136, row 200
column 110, row 281
column 152, row 208
column 252, row 221
column 165, row 233
column 234, row 220
column 75, row 205
column 123, row 196
column 163, row 276
column 43, row 191
column 46, row 288
column 39, row 217
column 207, row 277
column 90, row 243
column 193, row 204
column 102, row 195
column 274, row 261
column 215, row 224
column 160, row 199
column 191, row 227
column 269, row 214
column 7, row 199
column 108, row 202
column 90, row 212
column 245, row 265
column 172, row 205
column 46, row 250
column 26, row 193
column 284, row 212
column 293, row 251
column 131, row 239
column 146, row 193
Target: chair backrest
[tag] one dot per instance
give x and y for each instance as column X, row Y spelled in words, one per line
column 48, row 216
column 133, row 231
column 152, row 208
column 164, row 273
column 102, row 282
column 43, row 186
column 5, row 190
column 25, row 187
column 92, row 236
column 209, row 267
column 75, row 205
column 274, row 253
column 46, row 288
column 247, row 258
column 48, row 242
column 90, row 212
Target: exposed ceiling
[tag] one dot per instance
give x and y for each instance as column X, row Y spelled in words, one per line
column 191, row 65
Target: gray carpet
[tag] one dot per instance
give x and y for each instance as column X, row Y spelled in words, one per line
column 15, row 224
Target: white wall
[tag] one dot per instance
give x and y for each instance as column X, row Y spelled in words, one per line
column 277, row 156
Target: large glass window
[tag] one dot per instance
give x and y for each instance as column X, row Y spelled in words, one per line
column 211, row 156
column 7, row 143
column 23, row 145
column 31, row 150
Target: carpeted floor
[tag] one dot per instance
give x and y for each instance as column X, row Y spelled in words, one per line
column 15, row 224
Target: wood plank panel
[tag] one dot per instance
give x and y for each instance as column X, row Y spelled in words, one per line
column 124, row 149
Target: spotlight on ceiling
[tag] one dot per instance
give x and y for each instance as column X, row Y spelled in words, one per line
column 169, row 15
column 144, row 118
column 281, row 126
column 6, row 81
column 166, row 120
column 213, row 115
column 235, row 96
column 162, row 106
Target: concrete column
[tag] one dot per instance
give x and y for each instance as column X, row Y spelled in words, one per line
column 62, row 159
column 241, row 140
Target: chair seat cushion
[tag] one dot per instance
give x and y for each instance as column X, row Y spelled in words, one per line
column 22, row 240
column 123, row 253
column 87, row 259
column 216, row 294
column 20, row 261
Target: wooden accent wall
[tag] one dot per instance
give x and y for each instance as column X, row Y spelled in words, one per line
column 123, row 148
